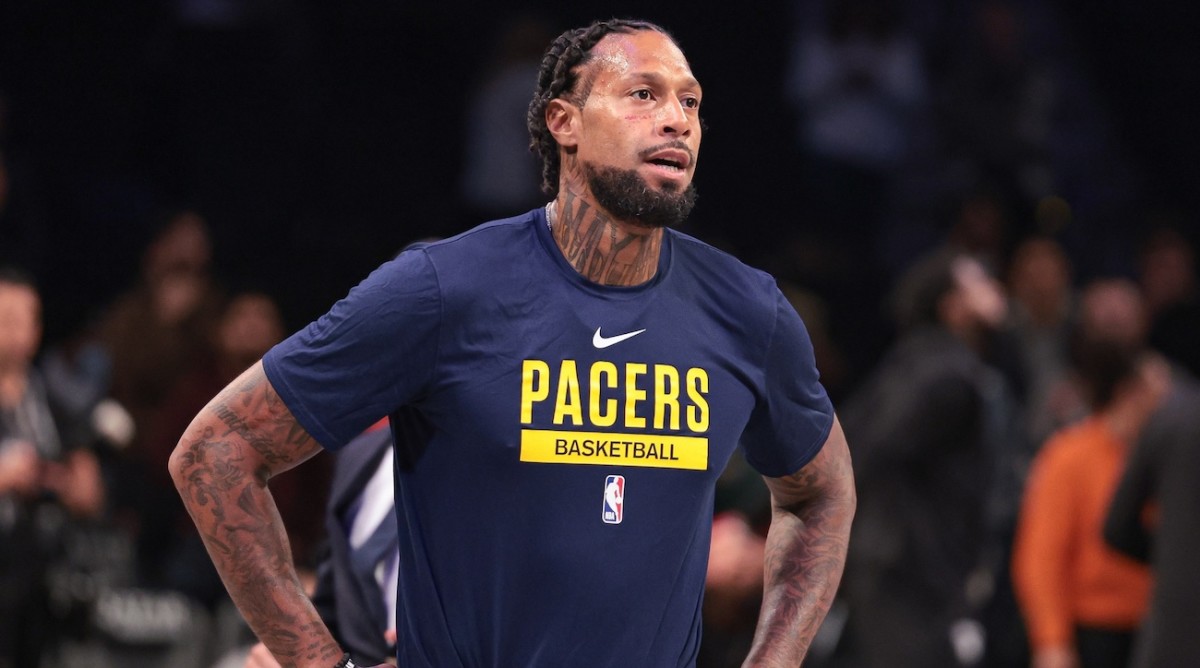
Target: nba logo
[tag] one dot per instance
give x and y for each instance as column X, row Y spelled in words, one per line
column 614, row 499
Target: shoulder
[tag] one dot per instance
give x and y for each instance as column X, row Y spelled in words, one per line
column 747, row 302
column 1068, row 448
column 717, row 262
column 490, row 239
column 494, row 258
column 437, row 259
column 722, row 277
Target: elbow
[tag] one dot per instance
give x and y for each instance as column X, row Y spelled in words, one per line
column 850, row 493
column 177, row 465
column 849, row 502
column 843, row 496
column 190, row 453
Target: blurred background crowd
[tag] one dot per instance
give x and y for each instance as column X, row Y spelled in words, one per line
column 985, row 211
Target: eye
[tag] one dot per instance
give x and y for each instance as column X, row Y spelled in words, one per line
column 643, row 94
column 691, row 102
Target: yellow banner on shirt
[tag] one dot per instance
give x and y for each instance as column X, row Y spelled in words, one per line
column 607, row 449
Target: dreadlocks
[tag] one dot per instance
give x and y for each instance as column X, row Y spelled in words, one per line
column 558, row 76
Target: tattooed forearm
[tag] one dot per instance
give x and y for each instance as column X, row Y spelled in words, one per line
column 221, row 468
column 805, row 554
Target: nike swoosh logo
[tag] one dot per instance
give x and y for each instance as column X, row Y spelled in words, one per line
column 606, row 341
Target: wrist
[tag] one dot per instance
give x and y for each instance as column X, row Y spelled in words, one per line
column 346, row 662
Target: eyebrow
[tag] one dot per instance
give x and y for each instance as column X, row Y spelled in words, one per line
column 656, row 78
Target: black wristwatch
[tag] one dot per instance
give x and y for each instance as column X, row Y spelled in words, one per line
column 346, row 662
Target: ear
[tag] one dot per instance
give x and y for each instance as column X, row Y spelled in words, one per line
column 562, row 119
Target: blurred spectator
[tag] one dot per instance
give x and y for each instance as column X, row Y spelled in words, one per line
column 1169, row 284
column 1041, row 309
column 922, row 432
column 500, row 174
column 980, row 227
column 1155, row 517
column 41, row 476
column 856, row 79
column 1111, row 310
column 156, row 332
column 153, row 335
column 998, row 100
column 1082, row 601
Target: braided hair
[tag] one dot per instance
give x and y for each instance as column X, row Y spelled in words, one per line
column 558, row 76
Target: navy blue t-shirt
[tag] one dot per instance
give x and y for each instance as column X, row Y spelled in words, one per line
column 558, row 440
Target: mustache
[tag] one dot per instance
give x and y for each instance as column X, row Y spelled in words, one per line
column 676, row 144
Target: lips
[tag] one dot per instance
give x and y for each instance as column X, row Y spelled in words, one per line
column 673, row 158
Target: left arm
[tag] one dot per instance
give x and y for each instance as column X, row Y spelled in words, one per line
column 811, row 511
column 1125, row 526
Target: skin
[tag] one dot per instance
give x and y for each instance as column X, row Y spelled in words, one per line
column 20, row 334
column 260, row 657
column 643, row 97
column 221, row 466
column 1055, row 657
column 811, row 512
column 76, row 481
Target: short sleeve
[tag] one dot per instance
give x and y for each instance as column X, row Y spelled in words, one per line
column 372, row 353
column 793, row 414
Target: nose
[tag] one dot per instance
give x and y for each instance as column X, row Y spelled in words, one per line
column 673, row 119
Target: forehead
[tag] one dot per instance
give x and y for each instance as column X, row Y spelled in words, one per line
column 17, row 297
column 644, row 51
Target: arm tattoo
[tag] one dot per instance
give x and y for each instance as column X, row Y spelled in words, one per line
column 221, row 467
column 255, row 398
column 805, row 554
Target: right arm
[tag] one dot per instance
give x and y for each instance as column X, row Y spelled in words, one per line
column 221, row 466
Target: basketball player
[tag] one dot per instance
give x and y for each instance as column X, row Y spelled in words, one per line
column 531, row 363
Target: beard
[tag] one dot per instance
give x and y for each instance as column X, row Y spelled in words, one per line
column 629, row 197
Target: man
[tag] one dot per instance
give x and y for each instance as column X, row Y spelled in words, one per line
column 1155, row 510
column 1082, row 602
column 41, row 475
column 922, row 428
column 1153, row 518
column 533, row 362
